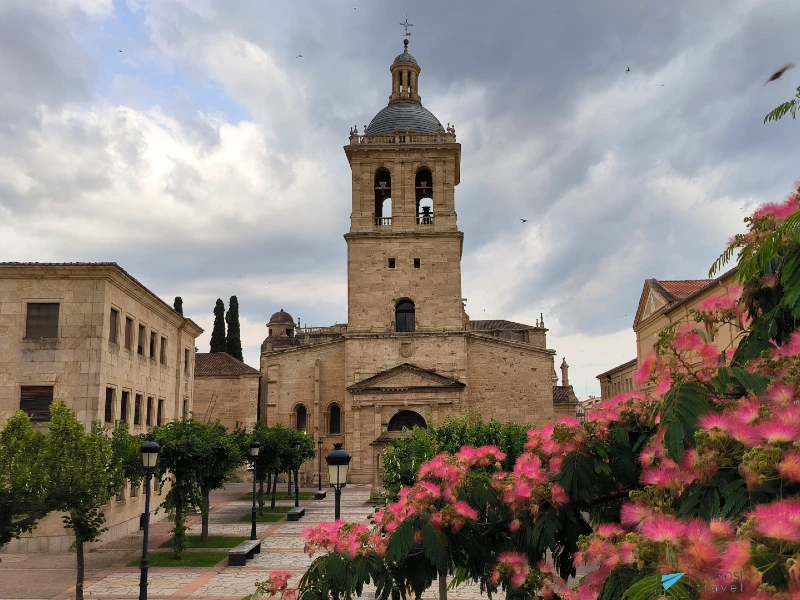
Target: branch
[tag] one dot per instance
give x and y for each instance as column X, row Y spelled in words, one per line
column 613, row 496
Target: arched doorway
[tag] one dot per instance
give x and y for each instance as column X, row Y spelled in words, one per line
column 408, row 419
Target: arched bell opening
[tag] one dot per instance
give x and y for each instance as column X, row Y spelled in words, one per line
column 383, row 198
column 423, row 185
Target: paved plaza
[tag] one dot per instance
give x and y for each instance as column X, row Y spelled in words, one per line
column 51, row 577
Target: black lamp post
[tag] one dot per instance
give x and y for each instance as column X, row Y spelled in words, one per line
column 338, row 464
column 319, row 455
column 254, row 447
column 296, row 447
column 149, row 457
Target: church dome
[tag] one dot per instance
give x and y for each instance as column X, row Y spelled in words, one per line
column 404, row 114
column 405, row 57
column 282, row 317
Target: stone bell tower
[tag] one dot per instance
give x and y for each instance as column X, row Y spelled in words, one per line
column 404, row 247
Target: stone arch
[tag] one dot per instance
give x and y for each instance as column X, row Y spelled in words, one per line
column 383, row 196
column 300, row 416
column 334, row 419
column 405, row 315
column 423, row 186
column 407, row 419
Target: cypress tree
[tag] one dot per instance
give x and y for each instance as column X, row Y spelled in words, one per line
column 233, row 342
column 178, row 305
column 218, row 333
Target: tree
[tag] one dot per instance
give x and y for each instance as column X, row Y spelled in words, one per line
column 792, row 106
column 83, row 476
column 233, row 343
column 218, row 343
column 220, row 454
column 178, row 305
column 23, row 478
column 697, row 474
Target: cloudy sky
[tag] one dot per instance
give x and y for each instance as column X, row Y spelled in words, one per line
column 183, row 140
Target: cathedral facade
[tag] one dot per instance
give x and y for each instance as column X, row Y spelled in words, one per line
column 408, row 354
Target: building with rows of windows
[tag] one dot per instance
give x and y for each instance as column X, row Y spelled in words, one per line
column 409, row 354
column 92, row 336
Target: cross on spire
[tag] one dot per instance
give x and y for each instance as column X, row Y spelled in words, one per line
column 405, row 25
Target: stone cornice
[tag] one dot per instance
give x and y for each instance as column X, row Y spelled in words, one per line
column 503, row 341
column 354, row 235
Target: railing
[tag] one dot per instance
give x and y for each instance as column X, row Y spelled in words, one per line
column 383, row 221
column 425, row 220
column 333, row 329
column 400, row 137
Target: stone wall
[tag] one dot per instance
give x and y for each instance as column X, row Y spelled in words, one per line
column 230, row 400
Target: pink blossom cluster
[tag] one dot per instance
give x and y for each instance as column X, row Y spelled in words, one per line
column 607, row 548
column 773, row 210
column 654, row 370
column 513, row 567
column 352, row 539
column 553, row 441
column 276, row 584
column 484, row 456
column 779, row 520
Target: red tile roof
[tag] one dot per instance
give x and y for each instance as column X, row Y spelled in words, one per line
column 493, row 324
column 220, row 364
column 561, row 394
column 683, row 288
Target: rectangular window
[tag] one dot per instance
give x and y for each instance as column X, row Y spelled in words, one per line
column 391, row 263
column 36, row 400
column 128, row 333
column 113, row 326
column 137, row 410
column 140, row 344
column 109, row 405
column 185, row 408
column 160, row 414
column 153, row 345
column 134, row 491
column 149, row 414
column 186, row 361
column 123, row 409
column 416, row 263
column 163, row 358
column 41, row 320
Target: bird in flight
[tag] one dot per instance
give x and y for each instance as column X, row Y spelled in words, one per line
column 662, row 85
column 628, row 70
column 299, row 56
column 120, row 50
column 777, row 74
column 524, row 220
column 354, row 8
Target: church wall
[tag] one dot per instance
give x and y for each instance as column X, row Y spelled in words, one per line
column 230, row 400
column 435, row 288
column 509, row 383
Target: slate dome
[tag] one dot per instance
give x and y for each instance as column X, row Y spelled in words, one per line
column 282, row 317
column 404, row 114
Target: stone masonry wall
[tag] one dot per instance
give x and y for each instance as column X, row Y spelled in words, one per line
column 227, row 399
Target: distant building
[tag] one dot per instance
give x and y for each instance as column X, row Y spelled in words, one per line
column 225, row 389
column 92, row 336
column 662, row 303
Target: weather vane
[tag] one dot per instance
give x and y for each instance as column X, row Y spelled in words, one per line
column 406, row 25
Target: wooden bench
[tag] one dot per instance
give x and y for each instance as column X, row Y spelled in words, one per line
column 238, row 557
column 295, row 513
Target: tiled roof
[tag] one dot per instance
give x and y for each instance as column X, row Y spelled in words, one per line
column 622, row 367
column 561, row 394
column 220, row 364
column 402, row 114
column 492, row 324
column 97, row 264
column 683, row 288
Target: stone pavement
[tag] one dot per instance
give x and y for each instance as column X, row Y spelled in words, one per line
column 52, row 577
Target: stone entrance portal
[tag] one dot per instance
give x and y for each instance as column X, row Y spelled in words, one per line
column 408, row 419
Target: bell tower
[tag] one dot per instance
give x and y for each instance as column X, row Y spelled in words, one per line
column 404, row 247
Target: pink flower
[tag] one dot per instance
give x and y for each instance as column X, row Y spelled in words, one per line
column 791, row 347
column 789, row 466
column 721, row 529
column 780, row 393
column 633, row 514
column 559, row 495
column 663, row 528
column 779, row 520
column 512, row 566
column 779, row 432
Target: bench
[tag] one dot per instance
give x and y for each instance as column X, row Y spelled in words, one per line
column 321, row 495
column 295, row 513
column 238, row 557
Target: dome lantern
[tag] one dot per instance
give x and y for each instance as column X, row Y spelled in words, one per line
column 281, row 324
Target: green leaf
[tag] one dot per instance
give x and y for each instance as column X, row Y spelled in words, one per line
column 673, row 439
column 435, row 550
column 401, row 542
column 750, row 381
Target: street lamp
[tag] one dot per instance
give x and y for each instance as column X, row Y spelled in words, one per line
column 149, row 457
column 338, row 463
column 296, row 448
column 254, row 447
column 319, row 457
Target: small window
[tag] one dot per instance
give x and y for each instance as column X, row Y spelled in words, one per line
column 113, row 326
column 391, row 263
column 186, row 361
column 123, row 409
column 416, row 263
column 36, row 400
column 160, row 414
column 185, row 408
column 109, row 405
column 128, row 333
column 140, row 343
column 300, row 418
column 41, row 320
column 137, row 410
column 153, row 345
column 335, row 420
column 163, row 350
column 134, row 491
column 149, row 413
